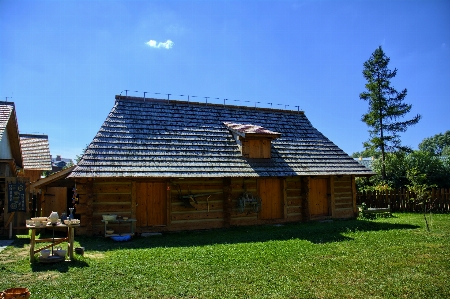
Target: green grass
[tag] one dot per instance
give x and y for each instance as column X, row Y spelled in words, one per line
column 383, row 258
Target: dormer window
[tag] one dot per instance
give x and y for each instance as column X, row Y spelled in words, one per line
column 254, row 141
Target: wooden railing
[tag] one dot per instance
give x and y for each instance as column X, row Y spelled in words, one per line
column 401, row 200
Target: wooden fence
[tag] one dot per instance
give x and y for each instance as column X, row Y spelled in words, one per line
column 401, row 200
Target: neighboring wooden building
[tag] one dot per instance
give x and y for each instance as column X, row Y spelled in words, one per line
column 13, row 199
column 54, row 193
column 36, row 159
column 182, row 166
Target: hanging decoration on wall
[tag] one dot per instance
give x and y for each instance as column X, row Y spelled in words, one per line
column 75, row 199
column 190, row 200
column 16, row 195
column 248, row 201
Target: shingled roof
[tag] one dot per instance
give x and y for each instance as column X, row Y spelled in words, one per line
column 9, row 133
column 35, row 152
column 158, row 138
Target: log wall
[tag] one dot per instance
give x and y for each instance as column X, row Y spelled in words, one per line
column 344, row 197
column 205, row 203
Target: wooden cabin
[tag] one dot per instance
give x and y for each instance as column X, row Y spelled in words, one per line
column 13, row 195
column 174, row 165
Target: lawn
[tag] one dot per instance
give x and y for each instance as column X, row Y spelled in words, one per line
column 383, row 258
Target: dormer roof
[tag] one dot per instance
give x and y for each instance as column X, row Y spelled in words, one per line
column 249, row 130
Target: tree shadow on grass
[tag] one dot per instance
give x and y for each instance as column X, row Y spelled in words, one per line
column 314, row 232
column 61, row 267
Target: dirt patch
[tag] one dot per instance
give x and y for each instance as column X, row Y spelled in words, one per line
column 95, row 255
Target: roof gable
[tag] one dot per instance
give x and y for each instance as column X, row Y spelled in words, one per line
column 156, row 138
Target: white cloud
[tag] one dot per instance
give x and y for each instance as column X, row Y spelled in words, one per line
column 154, row 44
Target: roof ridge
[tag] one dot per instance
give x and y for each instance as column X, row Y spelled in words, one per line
column 171, row 101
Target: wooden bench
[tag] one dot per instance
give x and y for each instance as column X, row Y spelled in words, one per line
column 368, row 211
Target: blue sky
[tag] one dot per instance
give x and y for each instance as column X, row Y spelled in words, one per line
column 62, row 62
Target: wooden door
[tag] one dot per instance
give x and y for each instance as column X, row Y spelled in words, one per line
column 151, row 200
column 318, row 198
column 271, row 198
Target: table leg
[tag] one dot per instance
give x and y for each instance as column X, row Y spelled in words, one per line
column 70, row 243
column 32, row 243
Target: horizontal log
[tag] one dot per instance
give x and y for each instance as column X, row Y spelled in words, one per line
column 294, row 202
column 110, row 188
column 294, row 210
column 294, row 217
column 47, row 240
column 244, row 221
column 340, row 200
column 343, row 196
column 213, row 206
column 197, row 216
column 293, row 185
column 342, row 184
column 200, row 187
column 82, row 189
column 345, row 178
column 246, row 214
column 110, row 198
column 193, row 225
column 343, row 189
column 293, row 193
column 105, row 208
column 344, row 206
column 348, row 213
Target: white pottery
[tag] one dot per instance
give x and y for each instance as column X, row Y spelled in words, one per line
column 53, row 218
column 45, row 253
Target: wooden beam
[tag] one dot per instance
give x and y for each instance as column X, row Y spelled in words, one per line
column 355, row 208
column 306, row 215
column 333, row 200
column 284, row 197
column 227, row 206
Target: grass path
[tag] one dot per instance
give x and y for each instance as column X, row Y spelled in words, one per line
column 384, row 258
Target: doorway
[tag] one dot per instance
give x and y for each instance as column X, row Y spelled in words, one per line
column 151, row 200
column 318, row 197
column 271, row 198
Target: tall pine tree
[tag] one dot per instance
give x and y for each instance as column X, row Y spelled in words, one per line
column 386, row 107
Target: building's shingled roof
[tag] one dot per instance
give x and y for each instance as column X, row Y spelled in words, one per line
column 156, row 138
column 367, row 162
column 6, row 110
column 10, row 128
column 35, row 152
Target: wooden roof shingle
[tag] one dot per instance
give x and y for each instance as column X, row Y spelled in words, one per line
column 35, row 152
column 158, row 138
column 9, row 132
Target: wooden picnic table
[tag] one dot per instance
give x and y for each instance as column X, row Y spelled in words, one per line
column 53, row 241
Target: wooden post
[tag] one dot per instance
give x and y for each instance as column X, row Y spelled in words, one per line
column 305, row 198
column 71, row 237
column 355, row 208
column 284, row 198
column 89, row 206
column 32, row 243
column 332, row 197
column 133, row 200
